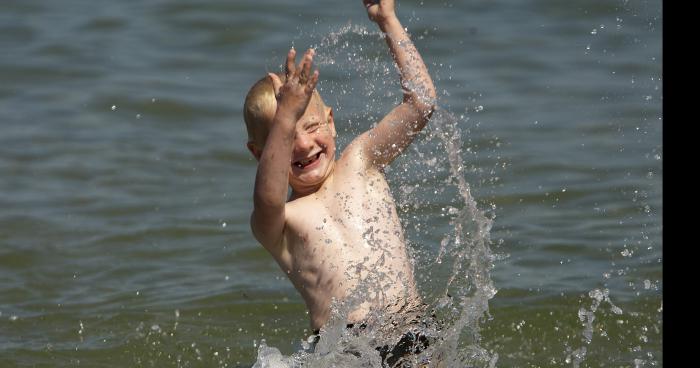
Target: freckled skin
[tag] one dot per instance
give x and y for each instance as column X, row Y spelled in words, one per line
column 340, row 224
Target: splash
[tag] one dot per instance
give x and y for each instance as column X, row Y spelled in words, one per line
column 468, row 246
column 454, row 334
column 587, row 316
column 451, row 320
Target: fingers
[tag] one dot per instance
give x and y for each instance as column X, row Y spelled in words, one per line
column 311, row 84
column 297, row 73
column 289, row 68
column 305, row 66
column 379, row 10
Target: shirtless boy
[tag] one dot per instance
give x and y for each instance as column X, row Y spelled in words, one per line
column 339, row 226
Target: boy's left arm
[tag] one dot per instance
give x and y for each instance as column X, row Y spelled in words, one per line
column 397, row 129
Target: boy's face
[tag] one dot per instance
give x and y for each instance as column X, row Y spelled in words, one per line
column 313, row 155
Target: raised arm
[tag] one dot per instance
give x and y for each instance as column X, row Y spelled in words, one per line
column 272, row 178
column 394, row 132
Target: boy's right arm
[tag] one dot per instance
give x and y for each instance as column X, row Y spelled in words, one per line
column 272, row 178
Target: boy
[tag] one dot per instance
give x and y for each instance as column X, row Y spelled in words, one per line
column 339, row 229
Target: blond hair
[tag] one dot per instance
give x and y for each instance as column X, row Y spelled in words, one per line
column 260, row 105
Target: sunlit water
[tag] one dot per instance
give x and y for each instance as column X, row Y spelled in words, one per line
column 126, row 186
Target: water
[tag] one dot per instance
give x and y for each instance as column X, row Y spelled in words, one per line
column 126, row 187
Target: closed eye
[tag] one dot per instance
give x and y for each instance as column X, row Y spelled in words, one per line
column 312, row 128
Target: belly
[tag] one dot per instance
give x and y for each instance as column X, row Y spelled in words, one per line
column 363, row 277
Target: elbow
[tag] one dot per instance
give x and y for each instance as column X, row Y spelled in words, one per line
column 424, row 108
column 424, row 103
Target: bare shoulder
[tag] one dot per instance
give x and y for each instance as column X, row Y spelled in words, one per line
column 355, row 154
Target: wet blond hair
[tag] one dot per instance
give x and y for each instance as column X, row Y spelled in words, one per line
column 260, row 104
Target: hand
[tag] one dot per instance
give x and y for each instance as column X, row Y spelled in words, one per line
column 379, row 10
column 294, row 94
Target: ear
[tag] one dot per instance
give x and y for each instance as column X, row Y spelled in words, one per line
column 276, row 82
column 331, row 122
column 253, row 148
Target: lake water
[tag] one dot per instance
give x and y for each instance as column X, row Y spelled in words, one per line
column 126, row 187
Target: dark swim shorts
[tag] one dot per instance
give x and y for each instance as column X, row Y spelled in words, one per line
column 410, row 343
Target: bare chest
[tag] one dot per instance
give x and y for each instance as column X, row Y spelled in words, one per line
column 346, row 231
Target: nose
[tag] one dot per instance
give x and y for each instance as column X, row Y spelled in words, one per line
column 303, row 142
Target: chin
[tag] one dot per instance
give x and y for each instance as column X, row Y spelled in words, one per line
column 309, row 180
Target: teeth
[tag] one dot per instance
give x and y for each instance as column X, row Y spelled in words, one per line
column 306, row 161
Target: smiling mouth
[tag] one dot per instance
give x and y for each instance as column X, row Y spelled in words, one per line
column 307, row 161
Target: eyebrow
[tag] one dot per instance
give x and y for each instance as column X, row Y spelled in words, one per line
column 310, row 121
